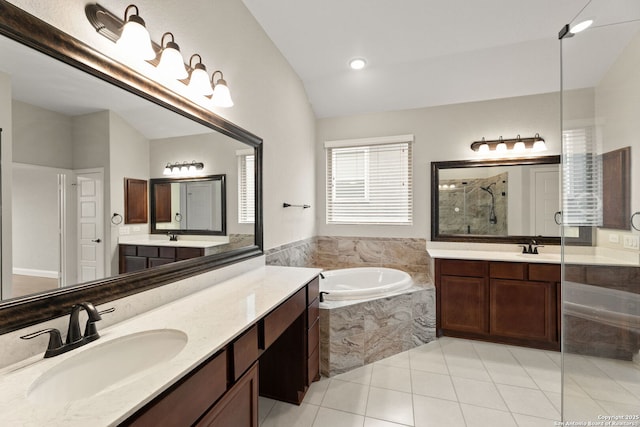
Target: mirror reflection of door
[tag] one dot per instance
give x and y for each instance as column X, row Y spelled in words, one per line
column 546, row 201
column 198, row 207
column 90, row 226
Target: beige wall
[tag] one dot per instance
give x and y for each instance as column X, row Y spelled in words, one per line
column 7, row 178
column 441, row 133
column 270, row 100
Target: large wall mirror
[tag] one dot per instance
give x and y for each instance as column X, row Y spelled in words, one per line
column 499, row 201
column 78, row 124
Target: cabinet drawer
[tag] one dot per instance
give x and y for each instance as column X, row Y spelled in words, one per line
column 167, row 252
column 508, row 270
column 184, row 403
column 128, row 249
column 279, row 319
column 134, row 263
column 313, row 337
column 313, row 289
column 154, row 262
column 245, row 352
column 455, row 267
column 544, row 272
column 313, row 312
column 148, row 251
column 186, row 253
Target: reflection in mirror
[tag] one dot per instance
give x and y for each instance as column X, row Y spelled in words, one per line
column 74, row 138
column 189, row 205
column 508, row 200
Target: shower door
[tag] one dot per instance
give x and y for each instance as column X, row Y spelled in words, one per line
column 601, row 284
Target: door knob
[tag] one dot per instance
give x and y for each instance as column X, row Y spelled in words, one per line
column 96, row 240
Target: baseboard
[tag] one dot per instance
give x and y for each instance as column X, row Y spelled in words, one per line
column 37, row 273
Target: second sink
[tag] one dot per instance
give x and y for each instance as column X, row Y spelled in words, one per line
column 105, row 365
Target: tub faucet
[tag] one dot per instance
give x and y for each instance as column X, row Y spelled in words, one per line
column 322, row 294
column 322, row 276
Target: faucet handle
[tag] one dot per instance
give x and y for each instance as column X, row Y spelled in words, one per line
column 55, row 340
column 90, row 330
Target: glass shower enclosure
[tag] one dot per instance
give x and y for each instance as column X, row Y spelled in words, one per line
column 600, row 72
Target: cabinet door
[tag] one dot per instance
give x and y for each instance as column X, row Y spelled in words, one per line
column 134, row 263
column 237, row 408
column 464, row 304
column 523, row 309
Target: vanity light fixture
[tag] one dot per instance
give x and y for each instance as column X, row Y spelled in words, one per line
column 183, row 168
column 221, row 96
column 135, row 39
column 171, row 63
column 199, row 81
column 516, row 145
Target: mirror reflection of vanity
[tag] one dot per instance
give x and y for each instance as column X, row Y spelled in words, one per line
column 81, row 123
column 511, row 200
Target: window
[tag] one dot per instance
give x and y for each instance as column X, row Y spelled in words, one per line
column 369, row 181
column 246, row 186
column 581, row 178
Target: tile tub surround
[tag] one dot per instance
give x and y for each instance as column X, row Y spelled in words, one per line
column 211, row 319
column 334, row 252
column 356, row 333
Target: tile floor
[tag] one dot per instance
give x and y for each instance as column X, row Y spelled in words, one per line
column 462, row 383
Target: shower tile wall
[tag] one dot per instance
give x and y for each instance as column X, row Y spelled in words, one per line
column 465, row 207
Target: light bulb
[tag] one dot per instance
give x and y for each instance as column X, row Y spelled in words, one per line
column 501, row 147
column 580, row 26
column 539, row 146
column 171, row 64
column 167, row 170
column 519, row 147
column 484, row 148
column 357, row 64
column 221, row 96
column 135, row 40
column 199, row 82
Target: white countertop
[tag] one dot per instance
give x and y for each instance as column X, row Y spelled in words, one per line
column 586, row 258
column 211, row 318
column 183, row 241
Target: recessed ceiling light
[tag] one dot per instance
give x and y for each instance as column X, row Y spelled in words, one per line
column 357, row 63
column 580, row 26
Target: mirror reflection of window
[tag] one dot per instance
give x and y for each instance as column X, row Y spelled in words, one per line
column 246, row 186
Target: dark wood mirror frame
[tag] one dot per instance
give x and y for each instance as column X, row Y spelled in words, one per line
column 153, row 200
column 28, row 30
column 584, row 238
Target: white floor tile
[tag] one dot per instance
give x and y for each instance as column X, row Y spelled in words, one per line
column 529, row 421
column 466, row 366
column 285, row 414
column 373, row 422
column 400, row 360
column 433, row 385
column 617, row 408
column 527, row 401
column 264, row 407
column 430, row 412
column 391, row 377
column 555, row 399
column 428, row 359
column 316, row 391
column 331, row 418
column 346, row 396
column 479, row 393
column 361, row 375
column 577, row 408
column 390, row 405
column 476, row 416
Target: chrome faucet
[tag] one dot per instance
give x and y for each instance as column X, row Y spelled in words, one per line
column 74, row 338
column 172, row 237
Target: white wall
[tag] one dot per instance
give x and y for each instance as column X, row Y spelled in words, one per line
column 42, row 137
column 270, row 100
column 617, row 110
column 441, row 133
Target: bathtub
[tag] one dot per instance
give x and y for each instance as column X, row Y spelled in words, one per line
column 363, row 283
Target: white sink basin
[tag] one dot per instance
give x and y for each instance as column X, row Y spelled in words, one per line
column 109, row 364
column 542, row 257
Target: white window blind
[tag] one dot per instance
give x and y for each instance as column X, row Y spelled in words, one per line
column 581, row 178
column 369, row 181
column 246, row 186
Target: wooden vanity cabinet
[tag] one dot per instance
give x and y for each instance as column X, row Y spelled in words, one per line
column 270, row 358
column 139, row 257
column 508, row 302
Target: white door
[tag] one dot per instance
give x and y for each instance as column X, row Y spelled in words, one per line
column 546, row 201
column 90, row 226
column 199, row 206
